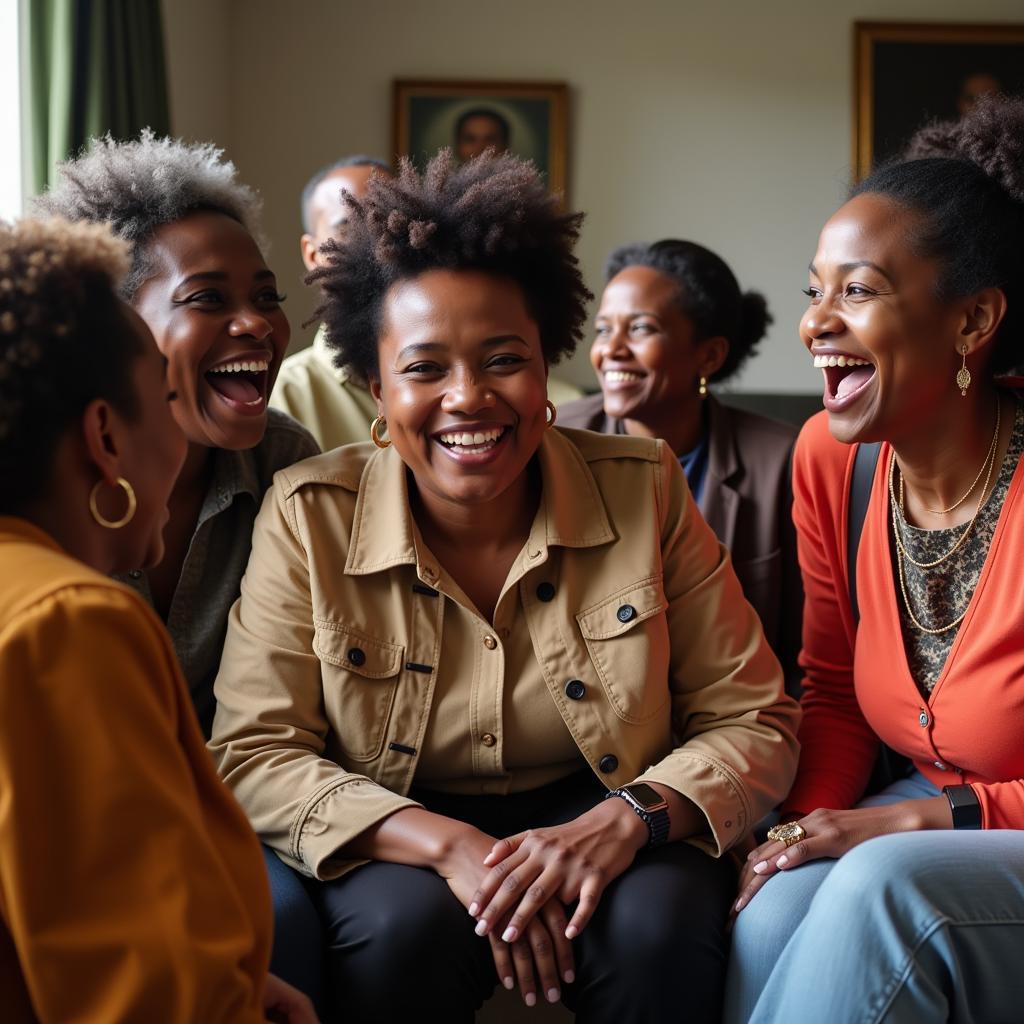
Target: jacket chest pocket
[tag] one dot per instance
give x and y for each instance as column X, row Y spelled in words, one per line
column 360, row 678
column 627, row 639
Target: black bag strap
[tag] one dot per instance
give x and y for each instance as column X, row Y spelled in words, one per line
column 864, row 463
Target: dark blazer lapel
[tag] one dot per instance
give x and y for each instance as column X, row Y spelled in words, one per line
column 720, row 502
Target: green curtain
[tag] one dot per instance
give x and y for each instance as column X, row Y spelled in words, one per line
column 90, row 67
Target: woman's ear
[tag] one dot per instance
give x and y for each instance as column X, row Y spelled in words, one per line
column 713, row 352
column 101, row 434
column 376, row 393
column 982, row 317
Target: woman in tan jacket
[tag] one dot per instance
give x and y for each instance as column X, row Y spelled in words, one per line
column 452, row 645
column 131, row 886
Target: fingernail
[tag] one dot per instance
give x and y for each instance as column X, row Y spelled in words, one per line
column 509, row 983
column 761, row 867
column 530, row 999
column 509, row 934
column 473, row 909
column 481, row 926
column 571, row 932
column 554, row 995
column 740, row 904
column 782, row 861
column 569, row 977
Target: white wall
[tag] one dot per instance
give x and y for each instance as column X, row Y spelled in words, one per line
column 725, row 123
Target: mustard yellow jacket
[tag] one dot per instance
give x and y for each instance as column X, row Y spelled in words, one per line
column 682, row 690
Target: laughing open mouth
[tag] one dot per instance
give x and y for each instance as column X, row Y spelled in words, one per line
column 242, row 381
column 472, row 442
column 844, row 375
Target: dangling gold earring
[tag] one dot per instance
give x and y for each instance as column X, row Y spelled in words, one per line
column 703, row 389
column 963, row 377
column 113, row 524
column 550, row 420
column 375, row 433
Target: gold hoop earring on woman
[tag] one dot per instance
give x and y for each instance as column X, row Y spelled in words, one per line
column 113, row 524
column 550, row 420
column 375, row 433
column 702, row 387
column 963, row 377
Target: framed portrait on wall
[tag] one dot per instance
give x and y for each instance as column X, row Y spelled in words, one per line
column 907, row 74
column 529, row 119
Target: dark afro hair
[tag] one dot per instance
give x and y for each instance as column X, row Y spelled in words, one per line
column 65, row 340
column 965, row 180
column 492, row 214
column 708, row 294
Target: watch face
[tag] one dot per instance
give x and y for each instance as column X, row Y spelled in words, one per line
column 646, row 796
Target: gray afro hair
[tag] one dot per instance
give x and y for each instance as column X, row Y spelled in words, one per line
column 139, row 186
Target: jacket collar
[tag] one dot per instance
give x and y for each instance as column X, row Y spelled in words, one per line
column 571, row 512
column 720, row 501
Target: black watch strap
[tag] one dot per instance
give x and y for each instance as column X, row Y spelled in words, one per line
column 657, row 820
column 963, row 802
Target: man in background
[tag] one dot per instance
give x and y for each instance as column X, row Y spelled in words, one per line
column 479, row 129
column 327, row 400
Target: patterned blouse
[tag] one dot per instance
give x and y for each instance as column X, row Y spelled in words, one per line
column 939, row 595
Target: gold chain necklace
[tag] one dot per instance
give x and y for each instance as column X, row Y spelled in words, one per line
column 901, row 551
column 970, row 490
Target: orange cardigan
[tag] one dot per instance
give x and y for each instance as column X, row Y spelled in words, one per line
column 857, row 683
column 131, row 885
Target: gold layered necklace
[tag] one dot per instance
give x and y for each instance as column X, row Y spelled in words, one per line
column 897, row 506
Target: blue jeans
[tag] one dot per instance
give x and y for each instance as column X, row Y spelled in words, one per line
column 908, row 929
column 299, row 946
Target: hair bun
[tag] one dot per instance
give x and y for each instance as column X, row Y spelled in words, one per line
column 754, row 319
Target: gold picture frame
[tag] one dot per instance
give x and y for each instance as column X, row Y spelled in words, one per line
column 908, row 73
column 535, row 118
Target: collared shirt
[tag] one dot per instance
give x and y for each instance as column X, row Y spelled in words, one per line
column 131, row 884
column 336, row 407
column 218, row 553
column 354, row 664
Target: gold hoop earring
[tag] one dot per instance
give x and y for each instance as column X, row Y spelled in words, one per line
column 112, row 524
column 702, row 389
column 375, row 433
column 550, row 420
column 963, row 377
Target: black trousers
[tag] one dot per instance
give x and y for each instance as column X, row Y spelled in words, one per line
column 402, row 947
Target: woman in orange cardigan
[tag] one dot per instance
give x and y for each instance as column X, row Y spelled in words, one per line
column 131, row 886
column 907, row 906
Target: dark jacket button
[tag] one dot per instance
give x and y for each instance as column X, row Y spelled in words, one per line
column 575, row 690
column 608, row 763
column 626, row 613
column 357, row 656
column 546, row 592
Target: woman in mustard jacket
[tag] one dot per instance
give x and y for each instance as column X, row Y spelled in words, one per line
column 452, row 646
column 131, row 887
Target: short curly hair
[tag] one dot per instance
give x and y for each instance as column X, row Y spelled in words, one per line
column 708, row 294
column 65, row 340
column 492, row 214
column 966, row 181
column 139, row 186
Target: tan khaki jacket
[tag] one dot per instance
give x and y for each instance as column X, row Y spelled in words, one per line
column 684, row 692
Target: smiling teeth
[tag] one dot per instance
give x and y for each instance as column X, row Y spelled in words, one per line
column 822, row 361
column 614, row 375
column 249, row 366
column 466, row 440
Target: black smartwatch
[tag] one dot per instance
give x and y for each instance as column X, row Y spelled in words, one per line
column 965, row 807
column 650, row 806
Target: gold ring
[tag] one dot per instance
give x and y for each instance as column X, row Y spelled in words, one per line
column 790, row 833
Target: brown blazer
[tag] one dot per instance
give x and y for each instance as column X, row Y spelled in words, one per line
column 748, row 502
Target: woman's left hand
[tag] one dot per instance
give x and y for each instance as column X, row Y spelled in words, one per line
column 569, row 862
column 832, row 833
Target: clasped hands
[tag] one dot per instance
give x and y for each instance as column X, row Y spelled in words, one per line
column 523, row 884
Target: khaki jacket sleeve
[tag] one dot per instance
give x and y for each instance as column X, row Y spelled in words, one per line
column 734, row 726
column 119, row 903
column 270, row 728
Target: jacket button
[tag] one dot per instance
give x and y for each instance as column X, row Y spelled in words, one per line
column 922, row 719
column 136, row 574
column 357, row 656
column 490, row 643
column 608, row 763
column 940, row 766
column 626, row 613
column 575, row 690
column 546, row 592
column 488, row 739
